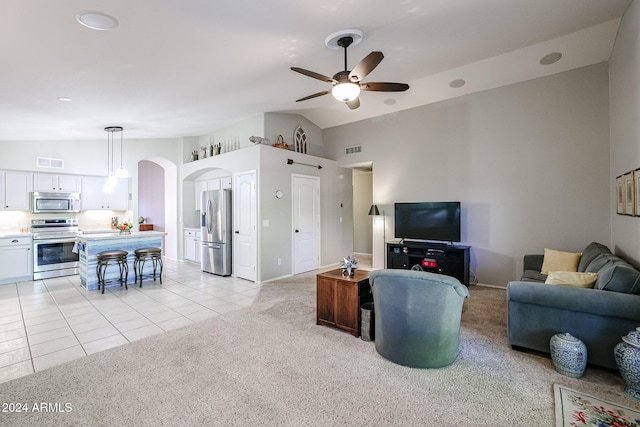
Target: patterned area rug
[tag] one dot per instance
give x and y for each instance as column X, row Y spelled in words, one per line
column 577, row 409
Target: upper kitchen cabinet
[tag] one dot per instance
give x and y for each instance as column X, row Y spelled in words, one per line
column 93, row 198
column 211, row 184
column 15, row 190
column 57, row 183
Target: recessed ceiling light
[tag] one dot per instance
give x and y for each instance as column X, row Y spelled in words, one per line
column 389, row 101
column 96, row 20
column 551, row 58
column 64, row 99
column 457, row 83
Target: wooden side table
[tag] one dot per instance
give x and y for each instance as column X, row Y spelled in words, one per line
column 338, row 299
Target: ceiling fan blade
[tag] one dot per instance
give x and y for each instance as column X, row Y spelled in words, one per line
column 315, row 95
column 384, row 87
column 353, row 104
column 365, row 66
column 313, row 74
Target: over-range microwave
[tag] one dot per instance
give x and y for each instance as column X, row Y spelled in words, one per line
column 55, row 202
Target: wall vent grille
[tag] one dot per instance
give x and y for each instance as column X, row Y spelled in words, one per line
column 353, row 150
column 47, row 162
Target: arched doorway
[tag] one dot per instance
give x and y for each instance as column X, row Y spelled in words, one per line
column 157, row 197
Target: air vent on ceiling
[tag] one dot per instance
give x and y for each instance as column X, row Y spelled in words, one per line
column 352, row 150
column 47, row 162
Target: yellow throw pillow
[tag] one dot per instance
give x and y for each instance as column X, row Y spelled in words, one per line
column 572, row 278
column 559, row 261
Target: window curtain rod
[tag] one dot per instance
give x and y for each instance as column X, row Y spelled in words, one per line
column 291, row 162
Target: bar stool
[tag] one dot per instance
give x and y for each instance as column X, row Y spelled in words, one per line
column 143, row 254
column 117, row 257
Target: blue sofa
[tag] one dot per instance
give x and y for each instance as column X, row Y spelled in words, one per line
column 599, row 317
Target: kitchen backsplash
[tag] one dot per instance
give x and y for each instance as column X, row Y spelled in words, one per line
column 18, row 221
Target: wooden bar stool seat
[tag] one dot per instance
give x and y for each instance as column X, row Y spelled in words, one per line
column 113, row 257
column 142, row 255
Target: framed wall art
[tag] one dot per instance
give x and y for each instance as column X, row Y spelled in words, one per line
column 620, row 202
column 629, row 194
column 636, row 182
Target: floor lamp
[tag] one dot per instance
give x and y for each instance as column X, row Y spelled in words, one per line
column 373, row 211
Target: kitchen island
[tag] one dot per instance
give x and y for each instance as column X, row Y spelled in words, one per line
column 89, row 245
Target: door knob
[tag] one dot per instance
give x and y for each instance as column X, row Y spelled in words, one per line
column 237, row 232
column 297, row 231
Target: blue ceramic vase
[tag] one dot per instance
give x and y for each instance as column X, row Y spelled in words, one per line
column 627, row 355
column 569, row 355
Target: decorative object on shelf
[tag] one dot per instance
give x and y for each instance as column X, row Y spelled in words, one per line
column 125, row 228
column 259, row 140
column 114, row 222
column 291, row 162
column 569, row 355
column 194, row 155
column 349, row 266
column 627, row 354
column 280, row 143
column 203, row 152
column 140, row 220
column 300, row 140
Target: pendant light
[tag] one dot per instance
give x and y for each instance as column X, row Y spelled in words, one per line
column 120, row 173
column 112, row 181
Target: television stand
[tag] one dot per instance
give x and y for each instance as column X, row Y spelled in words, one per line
column 440, row 258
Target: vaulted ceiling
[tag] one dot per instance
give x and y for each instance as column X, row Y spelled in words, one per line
column 177, row 68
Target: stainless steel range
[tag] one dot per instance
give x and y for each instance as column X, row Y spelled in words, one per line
column 53, row 241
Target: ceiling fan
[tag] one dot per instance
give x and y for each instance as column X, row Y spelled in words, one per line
column 348, row 84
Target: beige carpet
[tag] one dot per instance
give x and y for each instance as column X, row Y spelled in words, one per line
column 270, row 364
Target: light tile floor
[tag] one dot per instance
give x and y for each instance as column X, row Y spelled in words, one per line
column 48, row 322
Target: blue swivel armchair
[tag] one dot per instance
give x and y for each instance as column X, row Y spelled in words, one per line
column 417, row 320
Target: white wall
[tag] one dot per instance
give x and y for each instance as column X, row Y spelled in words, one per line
column 624, row 86
column 529, row 162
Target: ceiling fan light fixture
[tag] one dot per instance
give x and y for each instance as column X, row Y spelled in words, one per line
column 345, row 92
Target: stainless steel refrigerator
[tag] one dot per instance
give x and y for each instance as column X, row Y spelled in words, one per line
column 215, row 223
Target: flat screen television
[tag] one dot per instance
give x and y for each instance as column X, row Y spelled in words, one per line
column 428, row 221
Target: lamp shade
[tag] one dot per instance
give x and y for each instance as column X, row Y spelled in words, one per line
column 374, row 210
column 345, row 91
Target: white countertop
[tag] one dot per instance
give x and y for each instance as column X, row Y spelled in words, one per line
column 109, row 236
column 10, row 234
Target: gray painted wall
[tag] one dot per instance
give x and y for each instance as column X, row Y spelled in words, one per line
column 624, row 89
column 529, row 162
column 362, row 222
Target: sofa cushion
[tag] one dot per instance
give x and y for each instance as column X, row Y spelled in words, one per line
column 603, row 261
column 572, row 278
column 533, row 276
column 591, row 252
column 559, row 261
column 620, row 277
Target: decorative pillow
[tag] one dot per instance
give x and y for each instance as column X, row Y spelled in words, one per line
column 572, row 278
column 559, row 261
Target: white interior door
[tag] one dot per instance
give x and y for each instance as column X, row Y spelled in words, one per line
column 244, row 225
column 306, row 222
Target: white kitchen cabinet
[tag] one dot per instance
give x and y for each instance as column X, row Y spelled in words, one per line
column 93, row 198
column 192, row 245
column 17, row 187
column 56, row 183
column 16, row 259
column 211, row 184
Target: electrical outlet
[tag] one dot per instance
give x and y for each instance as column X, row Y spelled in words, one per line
column 279, row 261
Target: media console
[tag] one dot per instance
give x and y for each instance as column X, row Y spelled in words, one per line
column 440, row 258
